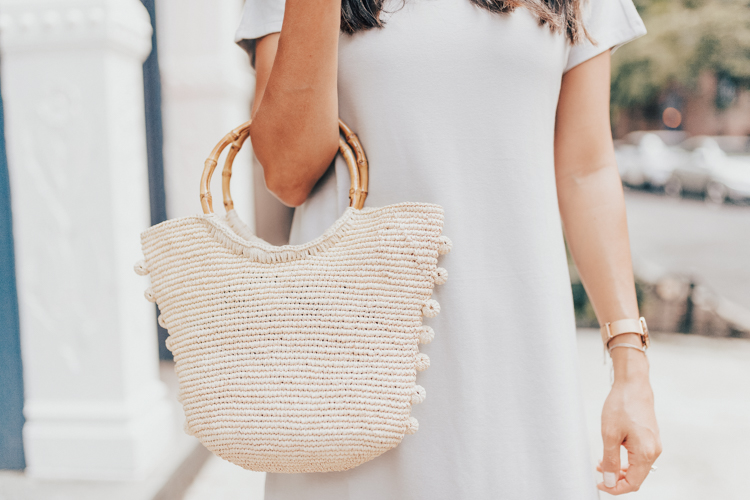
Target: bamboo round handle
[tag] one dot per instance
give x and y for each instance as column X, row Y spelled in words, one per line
column 356, row 161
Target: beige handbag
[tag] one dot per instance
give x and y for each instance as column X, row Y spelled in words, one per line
column 298, row 358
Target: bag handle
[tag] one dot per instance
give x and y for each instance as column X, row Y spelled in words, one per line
column 356, row 161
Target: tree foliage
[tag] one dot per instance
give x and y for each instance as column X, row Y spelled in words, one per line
column 685, row 38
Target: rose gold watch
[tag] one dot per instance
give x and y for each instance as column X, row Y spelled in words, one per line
column 612, row 329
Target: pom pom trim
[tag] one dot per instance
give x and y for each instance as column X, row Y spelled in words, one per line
column 140, row 268
column 419, row 395
column 431, row 308
column 442, row 276
column 427, row 335
column 445, row 245
column 412, row 425
column 423, row 362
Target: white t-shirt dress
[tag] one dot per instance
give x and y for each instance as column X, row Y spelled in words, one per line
column 456, row 106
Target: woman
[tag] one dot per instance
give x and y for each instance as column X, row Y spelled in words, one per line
column 498, row 111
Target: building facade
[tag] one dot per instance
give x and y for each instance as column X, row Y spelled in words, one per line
column 82, row 393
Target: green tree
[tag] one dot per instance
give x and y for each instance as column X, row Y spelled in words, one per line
column 685, row 38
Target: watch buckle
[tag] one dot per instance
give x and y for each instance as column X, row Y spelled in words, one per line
column 645, row 337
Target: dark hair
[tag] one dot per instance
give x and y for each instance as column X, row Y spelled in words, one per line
column 562, row 16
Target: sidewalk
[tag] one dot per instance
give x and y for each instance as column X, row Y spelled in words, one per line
column 702, row 393
column 222, row 480
column 702, row 388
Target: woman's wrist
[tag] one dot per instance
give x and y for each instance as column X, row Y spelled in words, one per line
column 629, row 364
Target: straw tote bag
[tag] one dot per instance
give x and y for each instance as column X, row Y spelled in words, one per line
column 298, row 358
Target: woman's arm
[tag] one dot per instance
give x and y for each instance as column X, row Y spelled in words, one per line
column 295, row 114
column 593, row 214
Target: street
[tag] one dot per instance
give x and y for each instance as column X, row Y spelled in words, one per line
column 690, row 237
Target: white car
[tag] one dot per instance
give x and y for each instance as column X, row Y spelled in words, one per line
column 732, row 181
column 649, row 162
column 712, row 173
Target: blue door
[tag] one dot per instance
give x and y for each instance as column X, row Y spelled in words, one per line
column 11, row 375
column 155, row 146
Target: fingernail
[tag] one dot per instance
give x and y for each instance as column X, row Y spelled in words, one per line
column 610, row 479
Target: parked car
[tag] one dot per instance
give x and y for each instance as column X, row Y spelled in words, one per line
column 732, row 145
column 711, row 172
column 645, row 160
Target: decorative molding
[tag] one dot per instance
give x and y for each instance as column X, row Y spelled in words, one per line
column 44, row 25
column 72, row 74
column 116, row 410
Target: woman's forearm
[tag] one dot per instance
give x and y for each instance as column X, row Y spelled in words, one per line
column 592, row 205
column 295, row 124
column 593, row 212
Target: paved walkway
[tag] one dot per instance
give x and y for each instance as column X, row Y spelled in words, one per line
column 688, row 236
column 221, row 480
column 702, row 388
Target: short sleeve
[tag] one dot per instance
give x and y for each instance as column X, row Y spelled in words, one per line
column 259, row 18
column 611, row 23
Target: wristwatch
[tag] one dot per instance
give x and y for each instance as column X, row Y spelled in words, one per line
column 614, row 328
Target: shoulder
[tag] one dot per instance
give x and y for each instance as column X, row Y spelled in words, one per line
column 611, row 24
column 259, row 18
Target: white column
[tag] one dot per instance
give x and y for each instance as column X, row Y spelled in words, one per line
column 73, row 93
column 207, row 89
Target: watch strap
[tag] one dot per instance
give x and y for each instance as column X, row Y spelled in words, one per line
column 619, row 327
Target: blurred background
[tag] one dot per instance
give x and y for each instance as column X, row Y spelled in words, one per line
column 109, row 108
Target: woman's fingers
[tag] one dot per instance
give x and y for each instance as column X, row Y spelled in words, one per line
column 636, row 474
column 611, row 462
column 641, row 457
column 629, row 482
column 623, row 468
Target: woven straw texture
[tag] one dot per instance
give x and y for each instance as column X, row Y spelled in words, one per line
column 299, row 358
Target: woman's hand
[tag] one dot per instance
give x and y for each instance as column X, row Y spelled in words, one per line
column 628, row 419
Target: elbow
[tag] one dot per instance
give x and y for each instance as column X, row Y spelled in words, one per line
column 288, row 179
column 287, row 191
column 291, row 170
column 281, row 174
